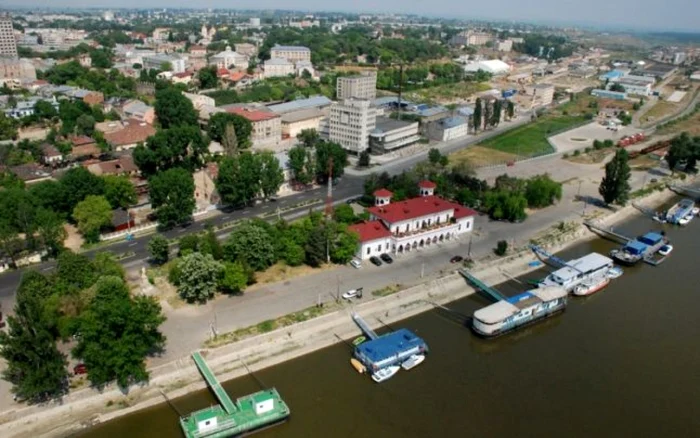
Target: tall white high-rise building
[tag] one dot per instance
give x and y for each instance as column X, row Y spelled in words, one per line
column 350, row 123
column 362, row 86
column 8, row 45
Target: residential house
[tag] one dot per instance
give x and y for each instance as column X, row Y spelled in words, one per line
column 182, row 78
column 85, row 60
column 267, row 127
column 50, row 155
column 126, row 134
column 197, row 51
column 84, row 146
column 89, row 97
column 410, row 225
column 138, row 110
column 30, row 173
column 156, row 62
column 122, row 219
column 228, row 58
column 200, row 100
column 246, row 49
column 122, row 166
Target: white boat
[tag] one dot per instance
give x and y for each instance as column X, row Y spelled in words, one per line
column 578, row 271
column 685, row 220
column 385, row 373
column 614, row 272
column 695, row 211
column 413, row 361
column 666, row 250
column 591, row 287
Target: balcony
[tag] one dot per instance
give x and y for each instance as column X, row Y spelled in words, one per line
column 424, row 229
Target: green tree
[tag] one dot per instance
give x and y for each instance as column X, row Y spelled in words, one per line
column 476, row 117
column 510, row 109
column 309, row 137
column 10, row 243
column 199, row 276
column 234, row 278
column 85, row 125
column 172, row 196
column 238, row 182
column 92, row 215
column 119, row 191
column 344, row 214
column 188, row 244
column 615, row 185
column 106, row 265
column 496, row 115
column 209, row 244
column 317, row 246
column 75, row 271
column 292, row 253
column 174, row 109
column 434, row 156
column 45, row 110
column 35, row 367
column 344, row 246
column 541, row 191
column 207, row 77
column 117, row 332
column 159, row 249
column 77, row 184
column 180, row 146
column 251, row 244
column 617, row 87
column 327, row 152
column 271, row 174
column 50, row 231
column 364, row 159
column 8, row 127
column 302, row 165
column 242, row 126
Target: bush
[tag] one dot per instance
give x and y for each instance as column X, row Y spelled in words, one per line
column 174, row 273
column 566, row 155
column 577, row 153
column 587, row 150
column 501, row 248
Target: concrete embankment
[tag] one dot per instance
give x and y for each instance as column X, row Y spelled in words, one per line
column 85, row 407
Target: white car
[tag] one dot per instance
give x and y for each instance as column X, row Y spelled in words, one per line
column 353, row 293
column 356, row 263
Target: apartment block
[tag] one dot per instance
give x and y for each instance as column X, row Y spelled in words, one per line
column 8, row 45
column 350, row 124
column 363, row 86
column 291, row 53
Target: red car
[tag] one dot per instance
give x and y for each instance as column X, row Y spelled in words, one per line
column 79, row 369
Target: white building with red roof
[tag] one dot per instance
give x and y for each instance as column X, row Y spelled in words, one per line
column 405, row 226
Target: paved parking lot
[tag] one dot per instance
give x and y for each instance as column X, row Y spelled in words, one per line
column 582, row 137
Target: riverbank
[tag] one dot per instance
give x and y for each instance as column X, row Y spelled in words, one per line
column 85, row 407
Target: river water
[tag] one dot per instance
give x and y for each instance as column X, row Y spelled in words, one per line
column 623, row 362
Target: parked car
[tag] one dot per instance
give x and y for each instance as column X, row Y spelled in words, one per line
column 355, row 263
column 387, row 258
column 456, row 259
column 79, row 369
column 353, row 293
column 375, row 261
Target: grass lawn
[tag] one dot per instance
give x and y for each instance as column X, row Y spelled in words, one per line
column 479, row 156
column 531, row 139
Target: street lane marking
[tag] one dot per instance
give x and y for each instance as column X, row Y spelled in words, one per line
column 48, row 269
column 133, row 244
column 184, row 230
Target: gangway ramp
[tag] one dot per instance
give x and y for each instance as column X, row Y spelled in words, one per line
column 685, row 190
column 480, row 285
column 608, row 233
column 214, row 384
column 549, row 258
column 362, row 324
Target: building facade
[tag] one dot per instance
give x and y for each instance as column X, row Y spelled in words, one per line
column 542, row 94
column 229, row 58
column 13, row 68
column 390, row 135
column 278, row 67
column 291, row 53
column 350, row 123
column 246, row 49
column 449, row 128
column 296, row 121
column 155, row 62
column 267, row 126
column 363, row 86
column 402, row 227
column 8, row 45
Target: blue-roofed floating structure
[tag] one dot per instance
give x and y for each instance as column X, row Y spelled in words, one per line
column 680, row 210
column 639, row 249
column 390, row 349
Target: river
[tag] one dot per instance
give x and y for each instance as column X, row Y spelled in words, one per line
column 623, row 362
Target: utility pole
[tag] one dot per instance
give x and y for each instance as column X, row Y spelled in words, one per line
column 398, row 113
column 422, row 270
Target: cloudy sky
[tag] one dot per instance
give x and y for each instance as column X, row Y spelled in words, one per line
column 668, row 14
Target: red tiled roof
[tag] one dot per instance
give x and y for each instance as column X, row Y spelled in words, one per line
column 81, row 140
column 253, row 115
column 134, row 131
column 425, row 184
column 369, row 231
column 119, row 166
column 222, row 72
column 418, row 207
column 382, row 193
column 85, row 150
column 237, row 76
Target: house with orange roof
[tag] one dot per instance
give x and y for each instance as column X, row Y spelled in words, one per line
column 410, row 225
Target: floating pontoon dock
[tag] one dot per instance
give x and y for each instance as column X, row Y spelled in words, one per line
column 247, row 414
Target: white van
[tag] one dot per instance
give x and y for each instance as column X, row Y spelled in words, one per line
column 356, row 263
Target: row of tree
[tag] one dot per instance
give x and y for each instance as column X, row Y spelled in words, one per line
column 488, row 114
column 206, row 266
column 90, row 301
column 315, row 159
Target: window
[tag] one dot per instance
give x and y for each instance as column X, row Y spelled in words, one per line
column 469, row 224
column 368, row 250
column 379, row 248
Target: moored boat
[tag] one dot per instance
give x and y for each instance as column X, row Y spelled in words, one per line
column 666, row 250
column 685, row 220
column 358, row 365
column 639, row 248
column 580, row 270
column 385, row 373
column 591, row 287
column 678, row 212
column 413, row 361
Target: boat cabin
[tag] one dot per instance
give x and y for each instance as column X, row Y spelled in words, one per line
column 578, row 269
column 521, row 309
column 390, row 349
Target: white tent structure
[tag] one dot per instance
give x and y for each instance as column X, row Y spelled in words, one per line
column 493, row 66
